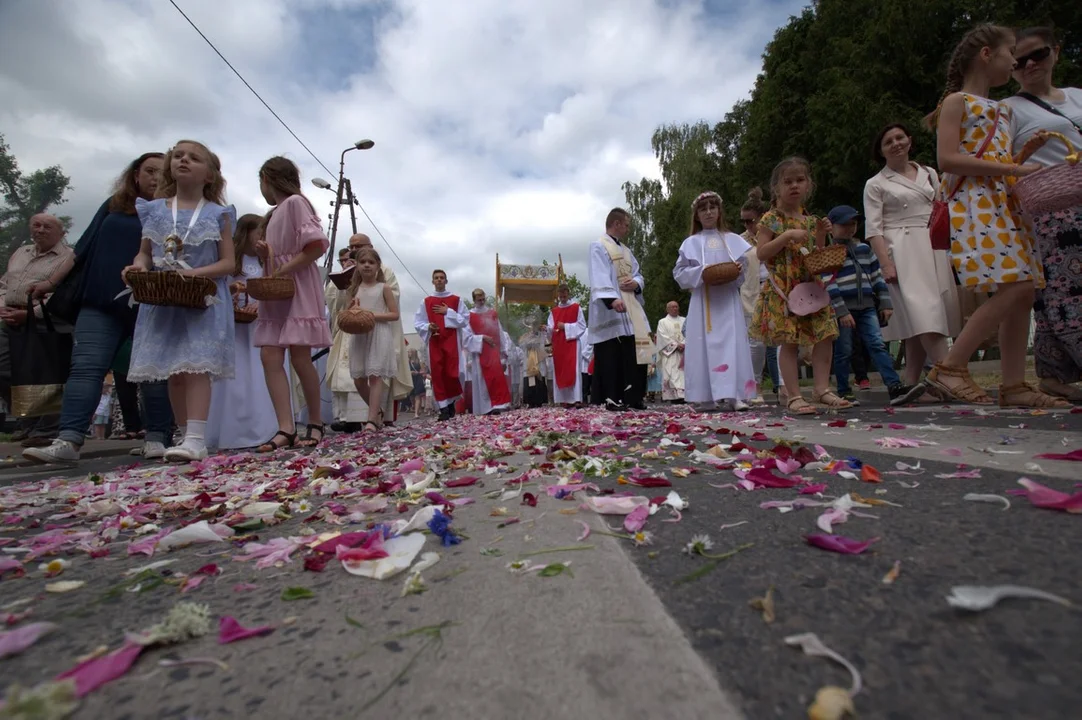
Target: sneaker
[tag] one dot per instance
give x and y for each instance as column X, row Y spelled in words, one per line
column 60, row 452
column 185, row 453
column 757, row 400
column 904, row 394
column 865, row 384
column 153, row 450
column 850, row 396
column 740, row 405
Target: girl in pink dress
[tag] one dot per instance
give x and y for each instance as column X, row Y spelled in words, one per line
column 293, row 234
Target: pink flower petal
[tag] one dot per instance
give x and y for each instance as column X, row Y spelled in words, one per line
column 229, row 630
column 813, row 489
column 839, row 544
column 11, row 565
column 1075, row 455
column 1045, row 497
column 751, row 388
column 460, row 482
column 585, row 531
column 15, row 641
column 721, row 368
column 636, row 519
column 764, row 478
column 93, row 673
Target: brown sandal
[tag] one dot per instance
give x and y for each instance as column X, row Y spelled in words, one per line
column 1024, row 395
column 832, row 400
column 803, row 407
column 967, row 391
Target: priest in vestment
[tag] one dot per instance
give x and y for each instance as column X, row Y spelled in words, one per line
column 348, row 407
column 717, row 358
column 438, row 321
column 566, row 328
column 482, row 339
column 619, row 329
column 670, row 350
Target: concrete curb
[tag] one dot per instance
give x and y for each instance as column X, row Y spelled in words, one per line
column 13, row 459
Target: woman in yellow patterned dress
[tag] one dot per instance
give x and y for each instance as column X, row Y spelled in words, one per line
column 783, row 231
column 990, row 248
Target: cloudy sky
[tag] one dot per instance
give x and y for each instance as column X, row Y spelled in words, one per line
column 500, row 125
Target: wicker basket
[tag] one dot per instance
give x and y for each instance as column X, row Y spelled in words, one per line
column 824, row 260
column 171, row 289
column 721, row 273
column 1051, row 189
column 356, row 321
column 270, row 287
column 244, row 312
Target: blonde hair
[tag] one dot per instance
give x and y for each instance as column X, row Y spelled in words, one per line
column 369, row 252
column 705, row 199
column 213, row 191
column 961, row 60
column 776, row 175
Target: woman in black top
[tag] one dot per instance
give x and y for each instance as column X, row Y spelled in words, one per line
column 105, row 321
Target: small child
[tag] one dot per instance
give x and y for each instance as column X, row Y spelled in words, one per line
column 189, row 225
column 103, row 414
column 862, row 302
column 373, row 362
column 783, row 232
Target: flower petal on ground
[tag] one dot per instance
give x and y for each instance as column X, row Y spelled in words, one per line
column 839, row 544
column 229, row 630
column 13, row 642
column 636, row 519
column 1045, row 497
column 98, row 671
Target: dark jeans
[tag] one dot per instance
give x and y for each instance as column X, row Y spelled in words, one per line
column 772, row 366
column 617, row 374
column 868, row 330
column 98, row 335
column 127, row 394
column 860, row 359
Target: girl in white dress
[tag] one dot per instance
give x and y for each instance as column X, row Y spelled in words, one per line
column 372, row 359
column 241, row 413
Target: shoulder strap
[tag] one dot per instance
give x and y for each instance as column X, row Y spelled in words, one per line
column 980, row 151
column 1041, row 103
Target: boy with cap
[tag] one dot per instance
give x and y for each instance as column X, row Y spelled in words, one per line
column 862, row 303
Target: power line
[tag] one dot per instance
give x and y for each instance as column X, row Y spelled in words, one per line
column 297, row 138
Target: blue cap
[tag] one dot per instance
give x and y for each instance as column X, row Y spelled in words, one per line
column 843, row 214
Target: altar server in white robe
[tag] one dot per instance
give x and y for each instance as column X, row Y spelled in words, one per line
column 717, row 354
column 439, row 321
column 566, row 328
column 670, row 351
column 586, row 364
column 482, row 341
column 619, row 329
column 349, row 408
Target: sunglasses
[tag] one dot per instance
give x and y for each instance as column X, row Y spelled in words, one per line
column 748, row 221
column 1037, row 56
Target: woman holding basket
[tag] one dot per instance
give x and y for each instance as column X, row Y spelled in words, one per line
column 1057, row 224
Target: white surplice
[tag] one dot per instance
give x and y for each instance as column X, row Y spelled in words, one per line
column 346, row 403
column 670, row 336
column 717, row 355
column 573, row 331
column 455, row 318
column 586, row 353
column 472, row 345
column 606, row 324
column 241, row 413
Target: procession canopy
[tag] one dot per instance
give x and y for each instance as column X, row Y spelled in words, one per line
column 534, row 284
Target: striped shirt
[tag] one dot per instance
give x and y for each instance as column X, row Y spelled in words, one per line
column 27, row 267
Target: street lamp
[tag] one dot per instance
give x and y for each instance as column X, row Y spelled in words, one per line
column 346, row 187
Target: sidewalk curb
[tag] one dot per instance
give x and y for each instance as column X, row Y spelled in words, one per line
column 13, row 462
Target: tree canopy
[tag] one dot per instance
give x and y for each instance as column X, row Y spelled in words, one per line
column 24, row 196
column 831, row 78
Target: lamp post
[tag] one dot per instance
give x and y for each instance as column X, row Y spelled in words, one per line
column 345, row 187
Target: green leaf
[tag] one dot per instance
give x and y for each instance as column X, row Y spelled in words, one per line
column 249, row 525
column 297, row 593
column 352, row 622
column 554, row 569
column 491, row 552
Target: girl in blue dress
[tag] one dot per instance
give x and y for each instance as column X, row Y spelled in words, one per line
column 187, row 228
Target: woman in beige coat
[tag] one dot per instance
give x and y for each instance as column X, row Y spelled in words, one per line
column 897, row 203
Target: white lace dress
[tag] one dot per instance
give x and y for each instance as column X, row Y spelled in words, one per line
column 373, row 353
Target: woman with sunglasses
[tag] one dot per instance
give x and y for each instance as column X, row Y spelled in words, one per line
column 754, row 276
column 1057, row 341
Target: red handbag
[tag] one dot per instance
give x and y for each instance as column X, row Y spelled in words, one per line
column 939, row 222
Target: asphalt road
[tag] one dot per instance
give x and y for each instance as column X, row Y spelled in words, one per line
column 591, row 644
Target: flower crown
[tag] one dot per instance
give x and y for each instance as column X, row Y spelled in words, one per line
column 705, row 195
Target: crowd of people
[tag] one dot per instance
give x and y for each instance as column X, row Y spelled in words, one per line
column 186, row 379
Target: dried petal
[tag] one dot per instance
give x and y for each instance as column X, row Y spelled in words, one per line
column 229, row 630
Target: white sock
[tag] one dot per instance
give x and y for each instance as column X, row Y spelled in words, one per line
column 195, row 434
column 182, row 430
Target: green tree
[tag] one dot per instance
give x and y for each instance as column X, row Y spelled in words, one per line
column 25, row 196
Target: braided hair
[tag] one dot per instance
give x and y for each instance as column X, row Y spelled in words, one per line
column 961, row 60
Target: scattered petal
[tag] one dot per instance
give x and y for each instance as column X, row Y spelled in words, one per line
column 63, row 586
column 229, row 630
column 892, row 574
column 1045, row 497
column 988, row 498
column 976, row 598
column 839, row 544
column 13, row 642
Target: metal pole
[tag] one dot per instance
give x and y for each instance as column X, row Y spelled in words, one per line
column 329, row 262
column 352, row 202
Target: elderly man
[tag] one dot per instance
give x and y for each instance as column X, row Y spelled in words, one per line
column 670, row 346
column 31, row 265
column 349, row 408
